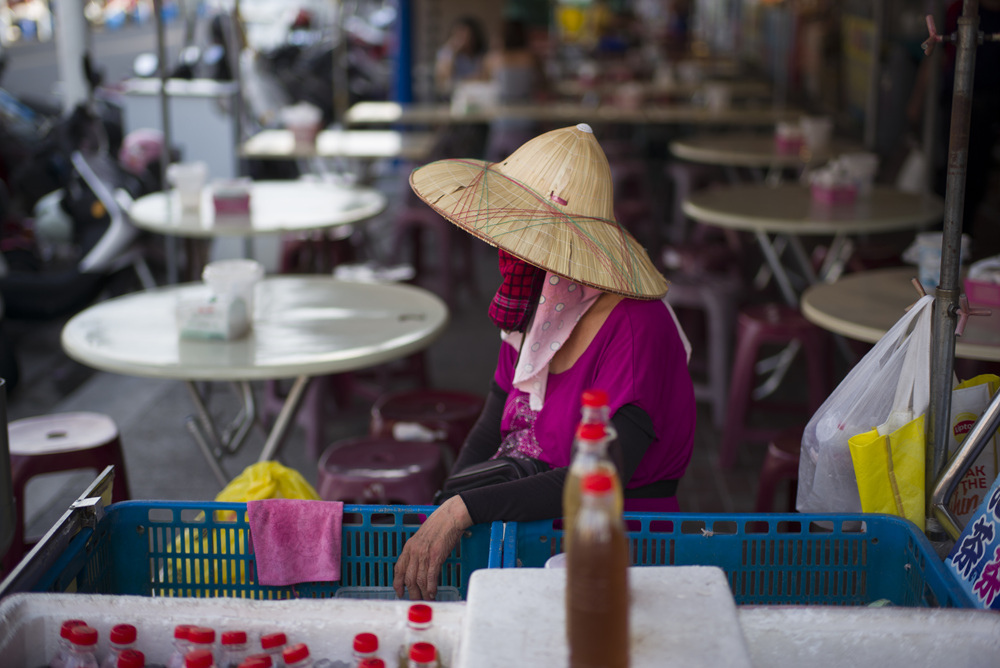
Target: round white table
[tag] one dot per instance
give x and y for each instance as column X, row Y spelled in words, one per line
column 866, row 304
column 789, row 212
column 303, row 326
column 752, row 150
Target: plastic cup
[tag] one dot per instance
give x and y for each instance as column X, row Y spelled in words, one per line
column 234, row 278
column 189, row 179
column 861, row 169
column 929, row 256
column 717, row 97
column 303, row 120
column 816, row 132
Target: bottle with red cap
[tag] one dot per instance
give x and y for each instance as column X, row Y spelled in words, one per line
column 419, row 629
column 371, row 662
column 365, row 646
column 423, row 655
column 257, row 661
column 297, row 656
column 199, row 658
column 122, row 637
column 201, row 638
column 131, row 658
column 597, row 612
column 273, row 644
column 590, row 453
column 82, row 643
column 181, row 646
column 234, row 649
column 59, row 660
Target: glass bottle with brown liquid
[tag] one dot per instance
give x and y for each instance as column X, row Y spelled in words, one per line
column 597, row 598
column 590, row 454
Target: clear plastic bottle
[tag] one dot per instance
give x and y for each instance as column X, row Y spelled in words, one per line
column 297, row 656
column 273, row 644
column 122, row 637
column 234, row 649
column 423, row 655
column 419, row 628
column 201, row 638
column 82, row 643
column 199, row 658
column 59, row 660
column 131, row 658
column 181, row 646
column 365, row 646
column 597, row 611
column 590, row 454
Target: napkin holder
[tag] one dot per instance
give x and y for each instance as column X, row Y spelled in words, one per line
column 208, row 316
column 231, row 197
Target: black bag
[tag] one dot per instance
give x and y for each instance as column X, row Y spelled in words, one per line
column 490, row 472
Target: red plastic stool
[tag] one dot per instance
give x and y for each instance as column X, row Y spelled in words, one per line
column 451, row 414
column 55, row 443
column 758, row 325
column 780, row 463
column 374, row 469
column 412, row 222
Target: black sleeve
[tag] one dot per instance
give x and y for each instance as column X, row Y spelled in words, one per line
column 484, row 438
column 539, row 496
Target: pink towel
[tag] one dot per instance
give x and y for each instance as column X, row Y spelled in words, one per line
column 296, row 541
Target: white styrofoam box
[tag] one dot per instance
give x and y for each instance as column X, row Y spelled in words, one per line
column 821, row 637
column 685, row 613
column 29, row 623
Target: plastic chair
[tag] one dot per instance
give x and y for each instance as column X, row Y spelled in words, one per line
column 375, row 469
column 758, row 325
column 780, row 463
column 449, row 414
column 454, row 248
column 56, row 443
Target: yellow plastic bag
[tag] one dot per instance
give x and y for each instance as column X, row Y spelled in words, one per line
column 890, row 470
column 219, row 557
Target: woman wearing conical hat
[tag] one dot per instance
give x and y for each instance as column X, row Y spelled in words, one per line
column 580, row 307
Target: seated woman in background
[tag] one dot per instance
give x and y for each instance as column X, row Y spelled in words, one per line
column 581, row 306
column 460, row 58
column 515, row 70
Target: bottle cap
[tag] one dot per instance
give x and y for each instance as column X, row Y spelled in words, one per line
column 257, row 661
column 199, row 658
column 234, row 637
column 201, row 635
column 181, row 631
column 594, row 398
column 365, row 643
column 68, row 625
column 131, row 658
column 597, row 483
column 272, row 640
column 295, row 652
column 591, row 432
column 83, row 635
column 422, row 652
column 420, row 613
column 371, row 662
column 122, row 634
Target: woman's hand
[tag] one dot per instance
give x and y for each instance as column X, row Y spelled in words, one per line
column 419, row 565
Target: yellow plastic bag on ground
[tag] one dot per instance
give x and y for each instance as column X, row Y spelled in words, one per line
column 267, row 480
column 890, row 470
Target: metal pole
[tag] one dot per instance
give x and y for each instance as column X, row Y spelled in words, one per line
column 931, row 111
column 949, row 290
column 71, row 45
column 875, row 76
column 169, row 241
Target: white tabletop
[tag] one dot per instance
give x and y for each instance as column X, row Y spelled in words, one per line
column 752, row 150
column 791, row 209
column 275, row 207
column 866, row 304
column 302, row 325
column 366, row 144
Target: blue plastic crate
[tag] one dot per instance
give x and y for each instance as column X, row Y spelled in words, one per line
column 149, row 548
column 777, row 559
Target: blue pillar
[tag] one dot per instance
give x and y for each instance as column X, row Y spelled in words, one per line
column 402, row 85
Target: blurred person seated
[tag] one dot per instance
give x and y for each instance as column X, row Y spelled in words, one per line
column 517, row 73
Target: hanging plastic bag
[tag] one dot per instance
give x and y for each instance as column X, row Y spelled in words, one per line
column 863, row 400
column 968, row 401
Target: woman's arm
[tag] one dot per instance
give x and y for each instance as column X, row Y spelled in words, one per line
column 484, row 438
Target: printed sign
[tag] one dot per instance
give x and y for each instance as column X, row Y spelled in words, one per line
column 975, row 559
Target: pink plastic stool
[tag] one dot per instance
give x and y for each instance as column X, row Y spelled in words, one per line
column 450, row 413
column 374, row 469
column 781, row 463
column 758, row 325
column 413, row 221
column 56, row 443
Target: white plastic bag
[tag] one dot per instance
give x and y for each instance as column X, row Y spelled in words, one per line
column 862, row 401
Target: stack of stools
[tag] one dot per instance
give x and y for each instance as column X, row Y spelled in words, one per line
column 758, row 325
column 57, row 443
column 446, row 415
column 780, row 463
column 373, row 469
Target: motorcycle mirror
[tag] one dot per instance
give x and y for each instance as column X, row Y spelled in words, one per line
column 145, row 65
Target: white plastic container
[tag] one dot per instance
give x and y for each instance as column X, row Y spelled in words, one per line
column 816, row 133
column 189, row 179
column 236, row 279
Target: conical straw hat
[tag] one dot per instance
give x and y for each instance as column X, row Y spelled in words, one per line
column 550, row 204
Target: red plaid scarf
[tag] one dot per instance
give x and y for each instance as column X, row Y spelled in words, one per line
column 515, row 301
